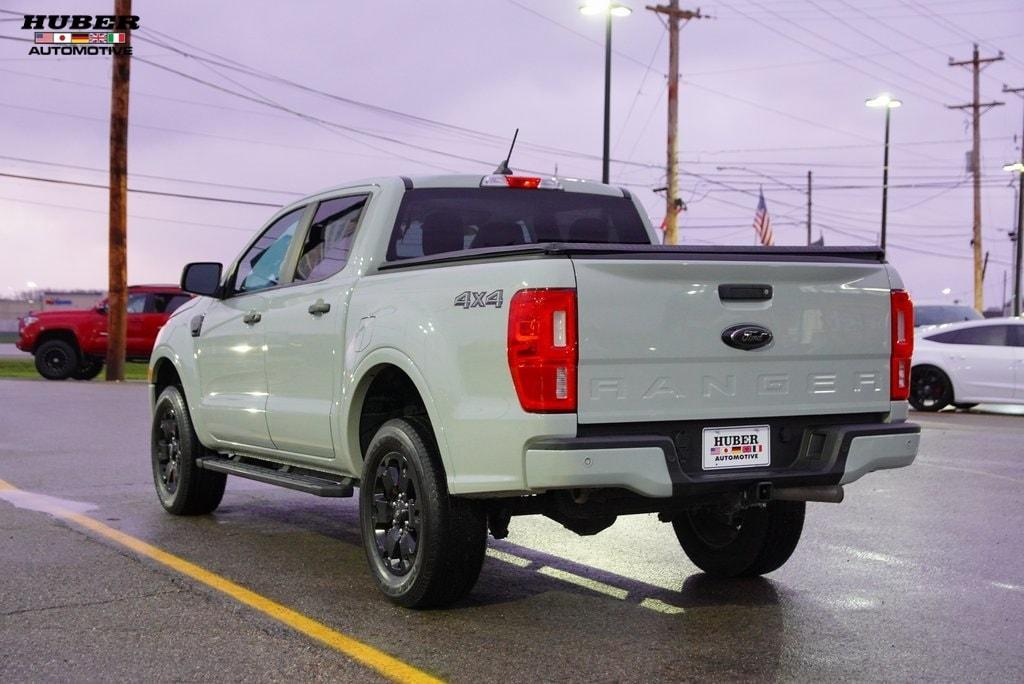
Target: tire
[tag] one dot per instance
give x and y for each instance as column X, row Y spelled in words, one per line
column 930, row 389
column 424, row 547
column 56, row 359
column 753, row 542
column 88, row 369
column 182, row 487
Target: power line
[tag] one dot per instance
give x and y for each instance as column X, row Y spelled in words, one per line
column 179, row 195
column 149, row 175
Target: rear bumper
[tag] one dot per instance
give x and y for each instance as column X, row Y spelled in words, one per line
column 655, row 466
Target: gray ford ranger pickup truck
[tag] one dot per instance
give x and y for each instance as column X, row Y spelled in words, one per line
column 464, row 349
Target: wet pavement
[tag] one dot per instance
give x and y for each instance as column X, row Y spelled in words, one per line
column 917, row 576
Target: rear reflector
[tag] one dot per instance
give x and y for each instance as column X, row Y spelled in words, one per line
column 526, row 182
column 902, row 345
column 542, row 352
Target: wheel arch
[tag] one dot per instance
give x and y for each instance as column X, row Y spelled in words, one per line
column 64, row 334
column 388, row 368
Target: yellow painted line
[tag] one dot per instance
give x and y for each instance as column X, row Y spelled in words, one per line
column 367, row 655
column 585, row 582
column 661, row 606
column 509, row 558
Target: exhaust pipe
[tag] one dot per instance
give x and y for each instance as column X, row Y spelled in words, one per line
column 827, row 494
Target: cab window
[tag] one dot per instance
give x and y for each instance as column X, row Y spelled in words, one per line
column 260, row 267
column 329, row 239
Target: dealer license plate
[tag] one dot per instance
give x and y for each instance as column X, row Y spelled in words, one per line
column 736, row 447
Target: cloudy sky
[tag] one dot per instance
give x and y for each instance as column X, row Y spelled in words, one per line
column 771, row 89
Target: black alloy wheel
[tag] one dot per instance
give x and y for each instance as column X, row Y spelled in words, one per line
column 167, row 447
column 396, row 513
column 56, row 360
column 181, row 485
column 930, row 389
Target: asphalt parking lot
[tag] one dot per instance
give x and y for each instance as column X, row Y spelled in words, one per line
column 917, row 576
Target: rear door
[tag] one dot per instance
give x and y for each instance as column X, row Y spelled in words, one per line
column 305, row 334
column 651, row 338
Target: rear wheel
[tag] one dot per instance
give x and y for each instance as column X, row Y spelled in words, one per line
column 750, row 542
column 56, row 359
column 425, row 548
column 930, row 389
column 183, row 487
column 88, row 369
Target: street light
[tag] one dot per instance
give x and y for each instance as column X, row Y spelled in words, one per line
column 1018, row 168
column 609, row 9
column 889, row 103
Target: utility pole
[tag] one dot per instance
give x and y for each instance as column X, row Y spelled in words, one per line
column 977, row 107
column 1020, row 215
column 808, row 208
column 675, row 15
column 117, row 260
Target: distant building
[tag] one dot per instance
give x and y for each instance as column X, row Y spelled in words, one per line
column 45, row 300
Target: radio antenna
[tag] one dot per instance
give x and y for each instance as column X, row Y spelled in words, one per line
column 503, row 167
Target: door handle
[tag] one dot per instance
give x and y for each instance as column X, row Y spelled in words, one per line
column 319, row 307
column 252, row 318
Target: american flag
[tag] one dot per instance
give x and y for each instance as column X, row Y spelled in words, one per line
column 763, row 223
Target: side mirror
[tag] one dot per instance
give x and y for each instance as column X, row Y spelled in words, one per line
column 101, row 308
column 202, row 278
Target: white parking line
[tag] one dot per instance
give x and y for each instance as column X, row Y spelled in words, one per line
column 870, row 555
column 661, row 606
column 585, row 582
column 1004, row 585
column 509, row 558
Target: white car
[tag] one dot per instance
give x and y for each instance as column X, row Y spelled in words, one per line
column 965, row 364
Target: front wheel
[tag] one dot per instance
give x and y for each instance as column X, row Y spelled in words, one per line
column 182, row 486
column 930, row 389
column 745, row 543
column 425, row 548
column 56, row 359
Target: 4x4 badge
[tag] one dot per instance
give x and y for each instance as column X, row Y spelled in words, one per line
column 747, row 336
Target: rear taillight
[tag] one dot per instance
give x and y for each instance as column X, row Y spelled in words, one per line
column 902, row 344
column 542, row 349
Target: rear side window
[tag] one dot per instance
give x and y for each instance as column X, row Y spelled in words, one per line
column 330, row 237
column 988, row 335
column 438, row 220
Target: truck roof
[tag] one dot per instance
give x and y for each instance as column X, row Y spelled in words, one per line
column 155, row 288
column 467, row 180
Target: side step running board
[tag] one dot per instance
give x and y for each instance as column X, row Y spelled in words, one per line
column 301, row 481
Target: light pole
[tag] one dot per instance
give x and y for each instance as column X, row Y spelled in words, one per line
column 609, row 9
column 1018, row 168
column 889, row 103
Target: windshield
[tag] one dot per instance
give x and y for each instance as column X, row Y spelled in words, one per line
column 438, row 220
column 939, row 314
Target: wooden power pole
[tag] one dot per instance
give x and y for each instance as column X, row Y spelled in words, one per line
column 977, row 108
column 117, row 259
column 675, row 15
column 809, row 239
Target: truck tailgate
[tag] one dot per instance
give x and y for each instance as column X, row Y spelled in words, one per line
column 651, row 347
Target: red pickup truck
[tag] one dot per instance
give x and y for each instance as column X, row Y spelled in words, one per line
column 73, row 343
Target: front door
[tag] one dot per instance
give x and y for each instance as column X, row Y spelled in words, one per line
column 231, row 345
column 305, row 333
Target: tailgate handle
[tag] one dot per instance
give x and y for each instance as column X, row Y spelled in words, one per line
column 750, row 293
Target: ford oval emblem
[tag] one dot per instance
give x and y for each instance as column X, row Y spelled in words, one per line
column 747, row 336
